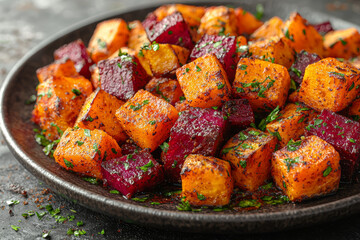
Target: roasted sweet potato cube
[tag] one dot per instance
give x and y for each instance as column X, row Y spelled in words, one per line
column 165, row 88
column 98, row 112
column 76, row 52
column 224, row 49
column 95, row 77
column 122, row 77
column 108, row 37
column 302, row 60
column 182, row 105
column 302, row 35
column 83, row 151
column 250, row 153
column 59, row 100
column 197, row 131
column 132, row 173
column 204, row 82
column 246, row 22
column 343, row 134
column 274, row 49
column 310, row 170
column 164, row 59
column 270, row 28
column 241, row 47
column 342, row 43
column 238, row 112
column 329, row 84
column 64, row 68
column 219, row 20
column 263, row 83
column 291, row 122
column 206, row 181
column 172, row 30
column 137, row 36
column 293, row 97
column 147, row 119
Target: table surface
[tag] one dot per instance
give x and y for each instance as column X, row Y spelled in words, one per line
column 23, row 24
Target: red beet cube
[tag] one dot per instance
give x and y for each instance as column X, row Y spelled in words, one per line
column 303, row 59
column 343, row 134
column 238, row 112
column 224, row 49
column 132, row 173
column 324, row 27
column 122, row 76
column 196, row 131
column 149, row 21
column 172, row 30
column 129, row 148
column 76, row 52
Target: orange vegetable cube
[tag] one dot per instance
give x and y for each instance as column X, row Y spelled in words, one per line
column 246, row 22
column 95, row 77
column 137, row 36
column 271, row 28
column 147, row 119
column 342, row 43
column 58, row 68
column 204, row 82
column 165, row 88
column 206, row 181
column 241, row 46
column 353, row 111
column 310, row 170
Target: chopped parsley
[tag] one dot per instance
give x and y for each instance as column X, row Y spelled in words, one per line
column 271, row 117
column 293, row 146
column 200, row 196
column 198, row 69
column 259, row 11
column 290, row 162
column 91, row 180
column 114, row 192
column 152, row 122
column 327, row 171
column 87, row 132
column 15, row 228
column 146, row 167
column 296, row 71
column 249, row 203
column 164, row 147
column 68, row 164
column 139, row 106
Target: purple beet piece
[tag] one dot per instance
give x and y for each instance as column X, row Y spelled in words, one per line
column 149, row 21
column 129, row 148
column 132, row 173
column 303, row 59
column 172, row 30
column 224, row 49
column 196, row 131
column 343, row 134
column 122, row 76
column 323, row 28
column 76, row 52
column 238, row 112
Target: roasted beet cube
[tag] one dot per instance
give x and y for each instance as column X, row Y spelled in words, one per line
column 303, row 59
column 129, row 147
column 197, row 131
column 172, row 30
column 323, row 28
column 122, row 76
column 76, row 52
column 238, row 112
column 132, row 173
column 149, row 21
column 224, row 49
column 343, row 134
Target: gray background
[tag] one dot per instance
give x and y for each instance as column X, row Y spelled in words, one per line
column 25, row 23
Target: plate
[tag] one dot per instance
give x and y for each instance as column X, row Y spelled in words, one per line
column 17, row 129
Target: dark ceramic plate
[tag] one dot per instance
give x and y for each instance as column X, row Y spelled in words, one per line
column 18, row 132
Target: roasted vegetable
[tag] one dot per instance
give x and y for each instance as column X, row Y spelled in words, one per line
column 165, row 88
column 238, row 112
column 270, row 28
column 303, row 59
column 342, row 43
column 246, row 22
column 65, row 68
column 137, row 36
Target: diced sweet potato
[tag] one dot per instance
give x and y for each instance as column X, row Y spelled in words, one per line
column 250, row 153
column 204, row 82
column 83, row 151
column 342, row 43
column 206, row 181
column 310, row 170
column 302, row 35
column 137, row 36
column 263, row 83
column 64, row 68
column 224, row 49
column 274, row 49
column 241, row 47
column 303, row 59
column 132, row 173
column 147, row 119
column 197, row 131
column 164, row 59
column 323, row 28
column 293, row 97
column 246, row 22
column 238, row 112
column 329, row 84
column 182, row 105
column 343, row 134
column 165, row 88
column 108, row 37
column 291, row 122
column 59, row 100
column 122, row 77
column 172, row 30
column 219, row 20
column 76, row 52
column 98, row 112
column 95, row 77
column 270, row 28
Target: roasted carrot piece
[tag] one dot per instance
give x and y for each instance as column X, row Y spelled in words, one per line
column 165, row 88
column 204, row 82
column 83, row 150
column 206, row 181
column 246, row 22
column 270, row 28
column 342, row 43
column 147, row 119
column 58, row 68
column 309, row 170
